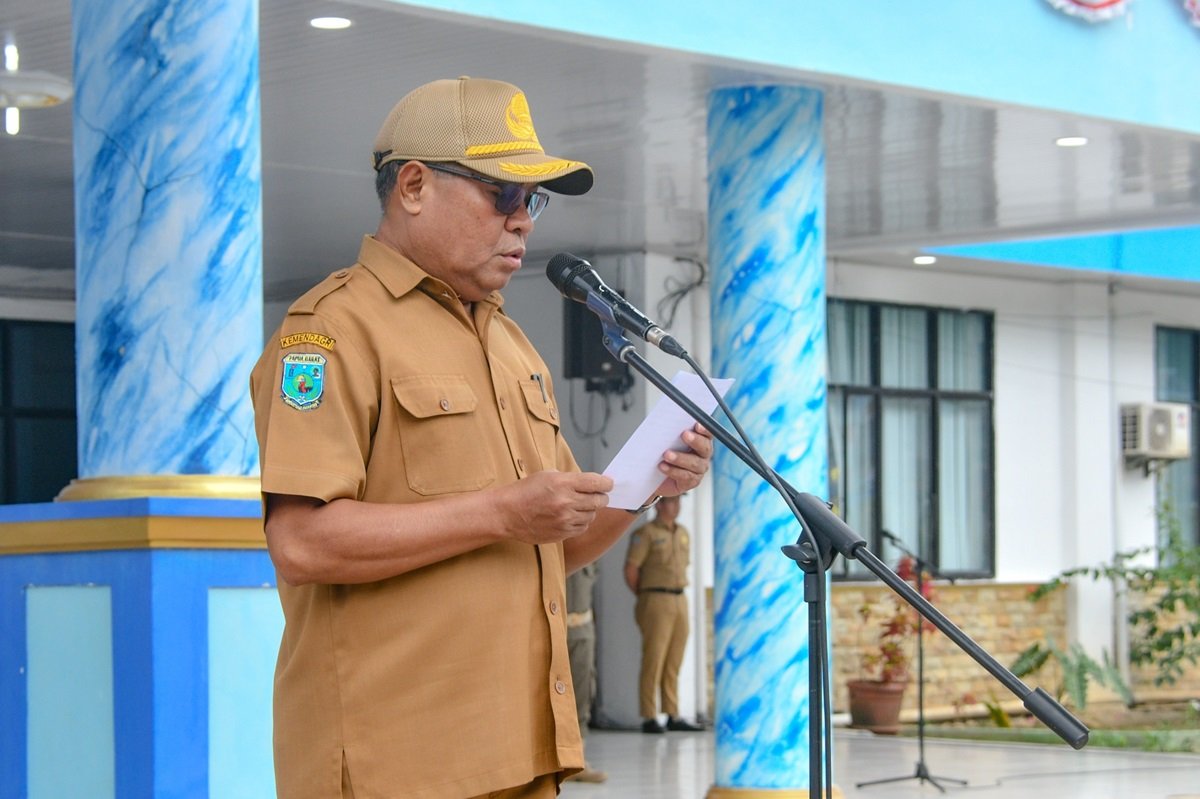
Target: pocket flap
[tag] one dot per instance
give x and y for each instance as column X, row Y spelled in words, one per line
column 426, row 396
column 538, row 405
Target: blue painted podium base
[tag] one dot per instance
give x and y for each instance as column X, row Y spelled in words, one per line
column 139, row 670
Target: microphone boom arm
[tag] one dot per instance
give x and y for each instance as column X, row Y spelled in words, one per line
column 830, row 531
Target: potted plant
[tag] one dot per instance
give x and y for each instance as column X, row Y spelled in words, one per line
column 875, row 697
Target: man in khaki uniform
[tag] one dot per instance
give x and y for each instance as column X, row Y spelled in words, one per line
column 421, row 507
column 581, row 644
column 656, row 570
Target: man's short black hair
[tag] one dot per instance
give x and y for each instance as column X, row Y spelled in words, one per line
column 385, row 181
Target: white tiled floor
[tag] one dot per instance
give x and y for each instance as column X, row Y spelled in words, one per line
column 680, row 766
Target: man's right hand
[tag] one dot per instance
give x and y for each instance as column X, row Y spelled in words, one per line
column 553, row 506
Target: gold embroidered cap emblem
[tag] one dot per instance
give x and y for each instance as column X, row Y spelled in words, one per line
column 520, row 120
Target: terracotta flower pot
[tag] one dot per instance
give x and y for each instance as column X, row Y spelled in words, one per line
column 875, row 705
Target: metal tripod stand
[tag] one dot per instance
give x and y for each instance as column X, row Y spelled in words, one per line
column 921, row 772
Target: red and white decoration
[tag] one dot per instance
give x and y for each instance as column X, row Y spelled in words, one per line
column 1193, row 8
column 1095, row 10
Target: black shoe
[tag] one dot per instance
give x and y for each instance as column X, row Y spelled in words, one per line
column 652, row 725
column 679, row 725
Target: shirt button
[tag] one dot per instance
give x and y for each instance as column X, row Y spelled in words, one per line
column 445, row 404
column 553, row 606
column 521, row 464
column 503, row 404
column 560, row 686
column 553, row 414
column 342, row 273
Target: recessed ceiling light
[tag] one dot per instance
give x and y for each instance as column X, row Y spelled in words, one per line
column 330, row 23
column 1071, row 141
column 924, row 260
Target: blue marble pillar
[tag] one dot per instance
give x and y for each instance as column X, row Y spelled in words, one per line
column 168, row 226
column 766, row 171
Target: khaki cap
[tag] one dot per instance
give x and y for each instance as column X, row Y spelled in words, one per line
column 484, row 125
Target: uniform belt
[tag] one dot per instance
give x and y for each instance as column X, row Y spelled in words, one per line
column 664, row 590
column 579, row 619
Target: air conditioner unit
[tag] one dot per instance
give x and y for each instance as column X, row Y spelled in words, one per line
column 1156, row 431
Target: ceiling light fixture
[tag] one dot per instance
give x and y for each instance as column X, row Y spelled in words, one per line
column 27, row 88
column 1071, row 141
column 31, row 88
column 330, row 23
column 924, row 260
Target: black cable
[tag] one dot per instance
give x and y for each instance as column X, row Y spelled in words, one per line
column 581, row 431
column 668, row 306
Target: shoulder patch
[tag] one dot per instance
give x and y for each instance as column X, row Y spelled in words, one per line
column 323, row 341
column 303, row 380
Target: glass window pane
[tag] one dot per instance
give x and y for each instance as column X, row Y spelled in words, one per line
column 962, row 351
column 837, row 436
column 45, row 449
column 1175, row 364
column 964, row 489
column 1177, row 499
column 903, row 347
column 849, row 332
column 859, row 481
column 907, row 470
column 41, row 358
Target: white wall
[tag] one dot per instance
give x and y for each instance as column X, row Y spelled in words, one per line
column 537, row 307
column 37, row 310
column 1070, row 347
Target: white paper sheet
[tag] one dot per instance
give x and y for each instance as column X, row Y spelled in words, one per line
column 634, row 469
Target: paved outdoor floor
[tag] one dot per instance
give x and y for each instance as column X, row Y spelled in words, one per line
column 680, row 766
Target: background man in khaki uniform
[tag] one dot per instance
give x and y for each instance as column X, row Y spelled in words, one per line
column 581, row 643
column 656, row 570
column 422, row 509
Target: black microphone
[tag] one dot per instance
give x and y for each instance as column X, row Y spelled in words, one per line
column 576, row 280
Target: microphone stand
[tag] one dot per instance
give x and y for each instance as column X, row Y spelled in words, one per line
column 921, row 772
column 823, row 533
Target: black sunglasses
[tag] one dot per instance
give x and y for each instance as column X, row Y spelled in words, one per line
column 511, row 195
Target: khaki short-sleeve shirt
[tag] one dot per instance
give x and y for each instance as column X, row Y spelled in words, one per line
column 452, row 680
column 661, row 554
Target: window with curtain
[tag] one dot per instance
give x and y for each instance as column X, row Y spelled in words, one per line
column 911, row 437
column 1177, row 379
column 37, row 410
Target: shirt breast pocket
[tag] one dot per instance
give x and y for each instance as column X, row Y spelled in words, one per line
column 543, row 421
column 444, row 448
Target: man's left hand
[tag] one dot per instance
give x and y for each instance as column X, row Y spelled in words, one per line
column 685, row 470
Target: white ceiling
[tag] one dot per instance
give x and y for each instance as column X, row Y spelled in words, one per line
column 903, row 170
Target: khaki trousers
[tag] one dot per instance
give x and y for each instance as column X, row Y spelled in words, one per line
column 663, row 620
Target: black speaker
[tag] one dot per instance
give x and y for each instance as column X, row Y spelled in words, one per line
column 585, row 355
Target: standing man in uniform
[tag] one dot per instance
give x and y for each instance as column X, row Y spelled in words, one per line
column 421, row 507
column 656, row 570
column 581, row 643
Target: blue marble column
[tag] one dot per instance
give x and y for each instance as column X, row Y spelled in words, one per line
column 766, row 168
column 168, row 225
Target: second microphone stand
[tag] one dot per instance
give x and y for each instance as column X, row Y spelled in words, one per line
column 921, row 772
